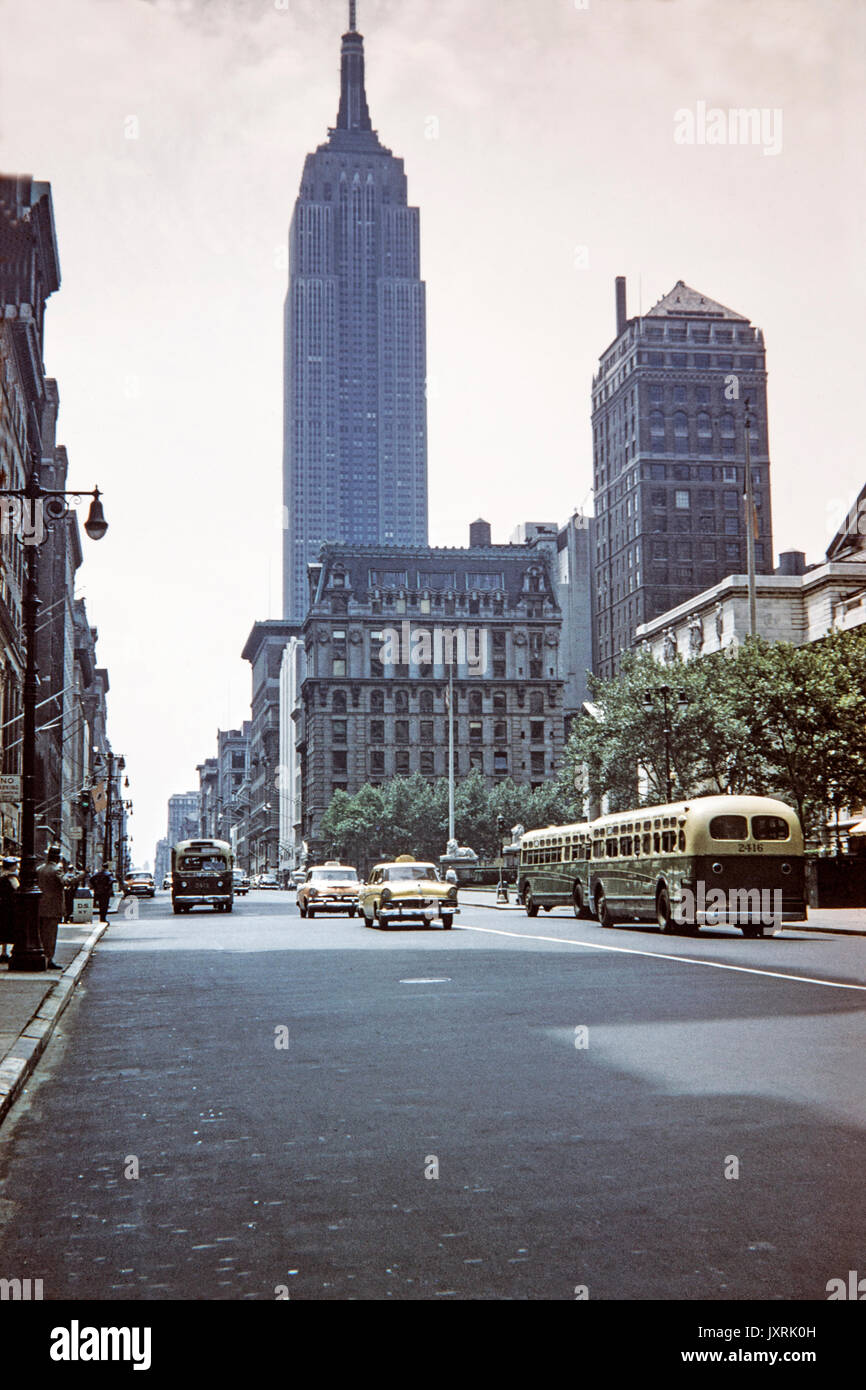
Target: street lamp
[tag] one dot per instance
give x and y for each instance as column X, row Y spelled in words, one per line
column 27, row 952
column 501, row 887
column 649, row 704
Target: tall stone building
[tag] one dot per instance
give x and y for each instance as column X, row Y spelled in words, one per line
column 355, row 415
column 387, row 627
column 669, row 452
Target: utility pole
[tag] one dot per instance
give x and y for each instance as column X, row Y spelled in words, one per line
column 750, row 530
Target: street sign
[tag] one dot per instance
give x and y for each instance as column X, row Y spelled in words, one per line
column 100, row 799
column 10, row 787
column 75, row 832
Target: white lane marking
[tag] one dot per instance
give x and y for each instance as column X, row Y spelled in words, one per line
column 437, row 980
column 660, row 955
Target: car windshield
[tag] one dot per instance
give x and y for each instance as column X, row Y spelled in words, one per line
column 334, row 875
column 399, row 873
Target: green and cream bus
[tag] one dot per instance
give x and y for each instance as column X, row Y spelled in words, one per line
column 553, row 868
column 711, row 860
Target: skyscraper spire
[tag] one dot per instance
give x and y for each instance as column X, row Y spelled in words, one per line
column 353, row 113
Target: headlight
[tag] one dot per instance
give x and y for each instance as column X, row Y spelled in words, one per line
column 452, row 893
column 312, row 893
column 386, row 893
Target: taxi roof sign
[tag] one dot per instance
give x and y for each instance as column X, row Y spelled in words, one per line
column 405, row 859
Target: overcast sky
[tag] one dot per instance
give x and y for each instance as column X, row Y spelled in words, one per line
column 539, row 144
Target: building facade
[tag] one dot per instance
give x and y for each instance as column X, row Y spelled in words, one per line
column 669, row 450
column 292, row 672
column 355, row 421
column 264, row 651
column 388, row 631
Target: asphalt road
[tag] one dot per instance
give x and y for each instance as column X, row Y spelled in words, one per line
column 638, row 1116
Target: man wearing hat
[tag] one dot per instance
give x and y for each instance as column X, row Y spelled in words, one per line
column 50, row 882
column 8, row 887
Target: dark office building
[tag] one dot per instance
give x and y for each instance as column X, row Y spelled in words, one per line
column 669, row 450
column 355, row 431
column 386, row 630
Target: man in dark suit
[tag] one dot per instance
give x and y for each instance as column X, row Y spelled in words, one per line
column 102, row 883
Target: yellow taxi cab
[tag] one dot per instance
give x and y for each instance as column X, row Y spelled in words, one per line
column 329, row 887
column 407, row 891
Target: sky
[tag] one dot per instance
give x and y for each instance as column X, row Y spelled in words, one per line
column 539, row 138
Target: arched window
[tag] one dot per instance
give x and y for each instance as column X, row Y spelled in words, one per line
column 475, row 702
column 657, row 432
column 425, row 702
column 499, row 702
column 705, row 430
column 401, row 702
column 377, row 701
column 726, row 427
column 681, row 433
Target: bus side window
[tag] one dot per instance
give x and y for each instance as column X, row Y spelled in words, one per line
column 612, row 849
column 625, row 846
column 669, row 841
column 681, row 841
column 647, row 844
column 656, row 842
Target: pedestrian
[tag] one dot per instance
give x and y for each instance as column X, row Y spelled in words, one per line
column 71, row 880
column 102, row 883
column 49, row 880
column 8, row 889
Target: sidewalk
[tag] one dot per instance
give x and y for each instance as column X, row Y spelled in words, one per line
column 31, row 1004
column 840, row 921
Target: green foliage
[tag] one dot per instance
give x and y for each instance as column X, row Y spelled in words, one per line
column 766, row 718
column 409, row 815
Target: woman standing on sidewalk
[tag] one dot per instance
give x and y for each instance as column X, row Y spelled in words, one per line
column 8, row 889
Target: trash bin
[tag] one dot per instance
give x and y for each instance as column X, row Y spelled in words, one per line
column 82, row 905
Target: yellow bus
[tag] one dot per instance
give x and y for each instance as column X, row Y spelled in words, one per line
column 707, row 861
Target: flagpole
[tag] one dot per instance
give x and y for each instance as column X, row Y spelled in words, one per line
column 750, row 530
column 451, row 751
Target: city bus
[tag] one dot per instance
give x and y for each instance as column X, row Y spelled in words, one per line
column 552, row 871
column 711, row 860
column 201, row 872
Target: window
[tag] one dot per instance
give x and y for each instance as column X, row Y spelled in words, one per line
column 476, row 731
column 500, row 763
column 536, row 702
column 729, row 828
column 475, row 702
column 536, row 731
column 426, row 730
column 377, row 701
column 499, row 702
column 401, row 763
column 377, row 731
column 401, row 731
column 657, row 431
column 426, row 765
column 731, row 501
column 338, row 730
column 401, row 702
column 732, row 525
column 681, row 433
column 658, row 498
column 679, row 395
column 770, row 828
column 537, row 763
column 377, row 762
column 729, row 474
column 500, row 731
column 681, row 499
column 338, row 762
column 425, row 702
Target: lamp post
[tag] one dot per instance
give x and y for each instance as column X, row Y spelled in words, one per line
column 27, row 952
column 649, row 704
column 501, row 887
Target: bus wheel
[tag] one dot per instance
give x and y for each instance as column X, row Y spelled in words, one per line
column 752, row 929
column 530, row 906
column 664, row 917
column 577, row 902
column 602, row 911
column 446, row 921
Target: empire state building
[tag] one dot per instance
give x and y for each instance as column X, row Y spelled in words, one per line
column 355, row 414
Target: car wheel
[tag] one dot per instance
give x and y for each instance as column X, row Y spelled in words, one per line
column 381, row 922
column 577, row 903
column 529, row 903
column 302, row 909
column 228, row 907
column 310, row 912
column 602, row 911
column 176, row 910
column 352, row 911
column 447, row 919
column 752, row 930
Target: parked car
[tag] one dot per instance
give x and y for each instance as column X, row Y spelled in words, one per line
column 407, row 891
column 166, row 882
column 140, row 883
column 329, row 887
column 240, row 882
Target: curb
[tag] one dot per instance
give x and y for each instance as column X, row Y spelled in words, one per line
column 20, row 1062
